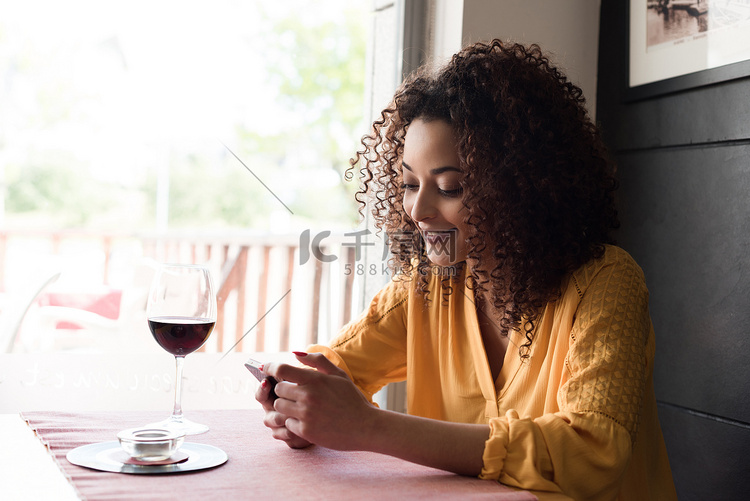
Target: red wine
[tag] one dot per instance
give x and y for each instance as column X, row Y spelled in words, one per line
column 181, row 335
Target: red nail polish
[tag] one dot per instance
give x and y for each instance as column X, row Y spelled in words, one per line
column 264, row 383
column 261, row 367
column 300, row 353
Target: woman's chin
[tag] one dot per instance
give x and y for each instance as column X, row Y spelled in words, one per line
column 439, row 257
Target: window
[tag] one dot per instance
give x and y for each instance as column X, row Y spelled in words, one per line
column 142, row 132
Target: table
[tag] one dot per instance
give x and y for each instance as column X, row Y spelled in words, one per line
column 259, row 467
column 27, row 470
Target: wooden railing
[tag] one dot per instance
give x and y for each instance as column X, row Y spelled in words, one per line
column 267, row 299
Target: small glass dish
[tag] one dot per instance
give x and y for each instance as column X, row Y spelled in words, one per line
column 150, row 444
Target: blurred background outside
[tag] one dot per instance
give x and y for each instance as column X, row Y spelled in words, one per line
column 208, row 132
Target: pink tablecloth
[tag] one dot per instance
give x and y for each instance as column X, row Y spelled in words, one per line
column 259, row 467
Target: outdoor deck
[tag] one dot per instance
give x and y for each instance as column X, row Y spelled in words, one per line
column 271, row 295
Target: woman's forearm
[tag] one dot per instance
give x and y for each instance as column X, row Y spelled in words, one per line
column 455, row 447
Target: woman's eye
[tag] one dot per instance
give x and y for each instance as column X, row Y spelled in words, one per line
column 454, row 192
column 409, row 187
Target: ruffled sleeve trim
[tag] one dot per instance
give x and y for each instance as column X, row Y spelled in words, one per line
column 495, row 450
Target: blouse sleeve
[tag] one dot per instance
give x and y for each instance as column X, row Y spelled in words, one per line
column 583, row 450
column 372, row 348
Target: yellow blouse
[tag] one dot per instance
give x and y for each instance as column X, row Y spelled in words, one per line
column 578, row 417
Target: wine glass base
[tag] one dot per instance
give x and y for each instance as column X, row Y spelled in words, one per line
column 180, row 425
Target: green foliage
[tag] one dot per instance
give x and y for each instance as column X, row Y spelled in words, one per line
column 204, row 197
column 318, row 68
column 71, row 198
column 314, row 65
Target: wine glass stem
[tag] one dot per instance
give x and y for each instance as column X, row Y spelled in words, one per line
column 177, row 412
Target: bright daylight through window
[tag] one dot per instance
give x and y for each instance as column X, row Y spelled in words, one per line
column 139, row 132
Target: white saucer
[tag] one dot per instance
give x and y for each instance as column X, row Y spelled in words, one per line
column 104, row 456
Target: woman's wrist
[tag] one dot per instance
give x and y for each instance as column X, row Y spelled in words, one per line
column 372, row 428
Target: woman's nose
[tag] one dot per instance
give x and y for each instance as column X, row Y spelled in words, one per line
column 424, row 206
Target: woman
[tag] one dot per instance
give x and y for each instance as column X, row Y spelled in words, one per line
column 523, row 333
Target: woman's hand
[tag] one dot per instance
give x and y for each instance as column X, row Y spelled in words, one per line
column 275, row 420
column 323, row 407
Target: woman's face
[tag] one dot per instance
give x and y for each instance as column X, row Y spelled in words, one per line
column 432, row 190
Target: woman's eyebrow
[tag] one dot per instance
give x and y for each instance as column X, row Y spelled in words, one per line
column 435, row 171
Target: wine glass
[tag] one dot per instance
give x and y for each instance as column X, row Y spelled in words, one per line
column 181, row 313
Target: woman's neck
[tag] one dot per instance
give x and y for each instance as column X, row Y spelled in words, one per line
column 495, row 341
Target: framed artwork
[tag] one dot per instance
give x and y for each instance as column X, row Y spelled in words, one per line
column 679, row 44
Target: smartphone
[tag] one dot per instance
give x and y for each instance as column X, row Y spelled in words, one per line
column 256, row 370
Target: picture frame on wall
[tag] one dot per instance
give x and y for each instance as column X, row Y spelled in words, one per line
column 676, row 45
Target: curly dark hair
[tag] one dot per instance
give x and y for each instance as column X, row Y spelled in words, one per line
column 538, row 184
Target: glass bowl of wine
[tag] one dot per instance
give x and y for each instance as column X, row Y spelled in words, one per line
column 150, row 444
column 181, row 314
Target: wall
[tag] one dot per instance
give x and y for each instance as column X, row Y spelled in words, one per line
column 568, row 29
column 684, row 161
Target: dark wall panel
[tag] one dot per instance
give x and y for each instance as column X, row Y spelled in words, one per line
column 687, row 223
column 684, row 168
column 710, row 456
column 710, row 114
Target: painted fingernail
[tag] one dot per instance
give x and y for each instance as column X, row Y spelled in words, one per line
column 264, row 384
column 300, row 353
